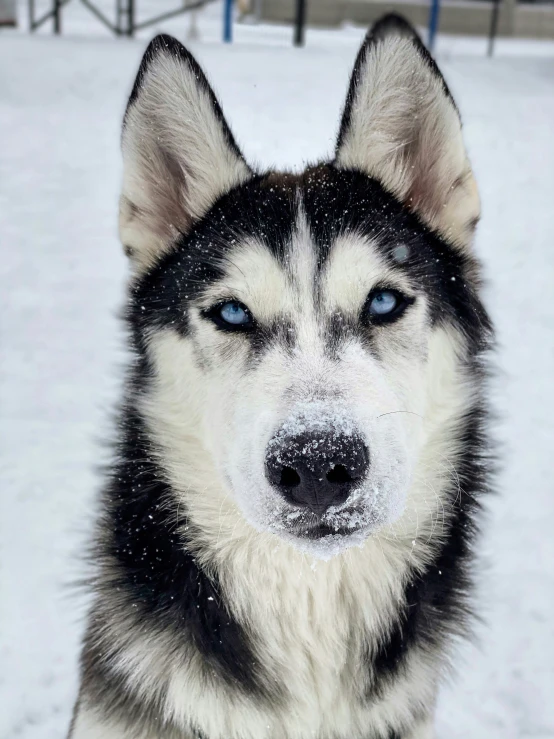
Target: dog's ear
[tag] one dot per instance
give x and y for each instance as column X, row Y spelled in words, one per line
column 179, row 155
column 401, row 126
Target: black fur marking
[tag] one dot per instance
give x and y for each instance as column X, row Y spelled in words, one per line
column 134, row 210
column 339, row 329
column 164, row 44
column 437, row 602
column 389, row 25
column 281, row 333
column 335, row 202
column 156, row 578
column 160, row 298
column 346, row 201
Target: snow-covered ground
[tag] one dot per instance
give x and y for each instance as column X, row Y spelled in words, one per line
column 62, row 276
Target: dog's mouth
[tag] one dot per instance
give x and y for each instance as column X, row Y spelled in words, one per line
column 313, row 527
column 326, row 536
column 322, row 531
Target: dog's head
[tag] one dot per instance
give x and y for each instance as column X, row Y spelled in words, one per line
column 302, row 336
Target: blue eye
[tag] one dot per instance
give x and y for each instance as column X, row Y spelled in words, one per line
column 230, row 316
column 385, row 305
column 234, row 314
column 383, row 302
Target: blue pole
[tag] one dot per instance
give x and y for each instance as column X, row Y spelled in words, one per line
column 433, row 22
column 228, row 21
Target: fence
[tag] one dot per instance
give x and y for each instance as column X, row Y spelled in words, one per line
column 125, row 23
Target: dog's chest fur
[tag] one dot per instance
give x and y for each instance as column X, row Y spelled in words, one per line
column 315, row 629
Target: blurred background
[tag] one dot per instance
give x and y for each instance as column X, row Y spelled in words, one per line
column 280, row 68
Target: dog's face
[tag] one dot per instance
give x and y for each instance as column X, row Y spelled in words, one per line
column 302, row 352
column 290, row 322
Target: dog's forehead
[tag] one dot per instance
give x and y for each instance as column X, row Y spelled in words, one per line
column 313, row 244
column 353, row 264
column 323, row 259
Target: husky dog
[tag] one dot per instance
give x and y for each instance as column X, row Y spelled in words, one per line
column 285, row 543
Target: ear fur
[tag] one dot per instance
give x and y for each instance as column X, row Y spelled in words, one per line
column 401, row 126
column 179, row 155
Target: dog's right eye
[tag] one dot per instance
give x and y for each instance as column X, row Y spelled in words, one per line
column 230, row 316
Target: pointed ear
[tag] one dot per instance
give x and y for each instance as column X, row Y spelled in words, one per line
column 401, row 126
column 179, row 155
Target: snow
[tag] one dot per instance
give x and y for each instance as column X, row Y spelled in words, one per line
column 62, row 276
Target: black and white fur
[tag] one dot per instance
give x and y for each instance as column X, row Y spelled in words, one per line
column 218, row 613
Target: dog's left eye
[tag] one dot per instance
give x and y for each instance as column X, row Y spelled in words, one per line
column 384, row 305
column 384, row 302
column 231, row 316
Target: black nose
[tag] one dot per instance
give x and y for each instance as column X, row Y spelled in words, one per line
column 317, row 469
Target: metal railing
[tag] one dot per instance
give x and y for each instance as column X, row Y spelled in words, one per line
column 125, row 23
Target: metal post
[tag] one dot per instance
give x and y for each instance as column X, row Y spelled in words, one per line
column 57, row 17
column 433, row 23
column 300, row 22
column 131, row 18
column 493, row 29
column 193, row 32
column 258, row 10
column 228, row 21
column 31, row 15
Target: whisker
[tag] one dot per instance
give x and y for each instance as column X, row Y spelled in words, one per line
column 456, row 477
column 412, row 413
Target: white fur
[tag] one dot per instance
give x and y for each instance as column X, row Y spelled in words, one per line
column 90, row 725
column 423, row 731
column 406, row 132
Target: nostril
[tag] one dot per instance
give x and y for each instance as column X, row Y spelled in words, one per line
column 289, row 477
column 338, row 475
